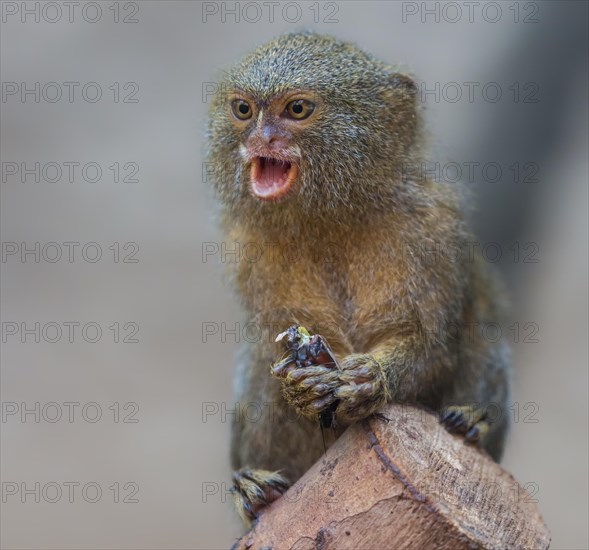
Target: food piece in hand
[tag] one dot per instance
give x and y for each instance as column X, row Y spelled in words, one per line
column 312, row 358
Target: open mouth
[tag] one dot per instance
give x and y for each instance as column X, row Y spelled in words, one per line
column 271, row 178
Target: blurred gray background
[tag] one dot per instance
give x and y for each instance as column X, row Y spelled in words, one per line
column 174, row 461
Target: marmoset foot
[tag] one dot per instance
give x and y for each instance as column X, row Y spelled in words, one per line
column 253, row 490
column 467, row 420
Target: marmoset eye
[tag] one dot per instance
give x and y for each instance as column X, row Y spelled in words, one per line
column 241, row 109
column 300, row 109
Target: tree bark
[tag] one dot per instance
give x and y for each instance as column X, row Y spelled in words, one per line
column 402, row 484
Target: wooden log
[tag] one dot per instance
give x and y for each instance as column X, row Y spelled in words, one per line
column 402, row 484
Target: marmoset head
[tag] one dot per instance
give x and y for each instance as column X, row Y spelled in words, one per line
column 310, row 122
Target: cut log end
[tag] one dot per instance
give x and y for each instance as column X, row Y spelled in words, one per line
column 405, row 483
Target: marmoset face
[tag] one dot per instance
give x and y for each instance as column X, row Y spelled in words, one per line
column 309, row 120
column 270, row 132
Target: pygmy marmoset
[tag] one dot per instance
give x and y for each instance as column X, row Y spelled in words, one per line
column 315, row 153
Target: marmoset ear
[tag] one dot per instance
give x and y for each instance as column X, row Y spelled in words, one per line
column 404, row 86
column 401, row 97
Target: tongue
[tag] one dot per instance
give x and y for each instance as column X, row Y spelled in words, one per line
column 272, row 177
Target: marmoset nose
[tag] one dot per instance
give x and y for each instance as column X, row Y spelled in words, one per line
column 274, row 138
